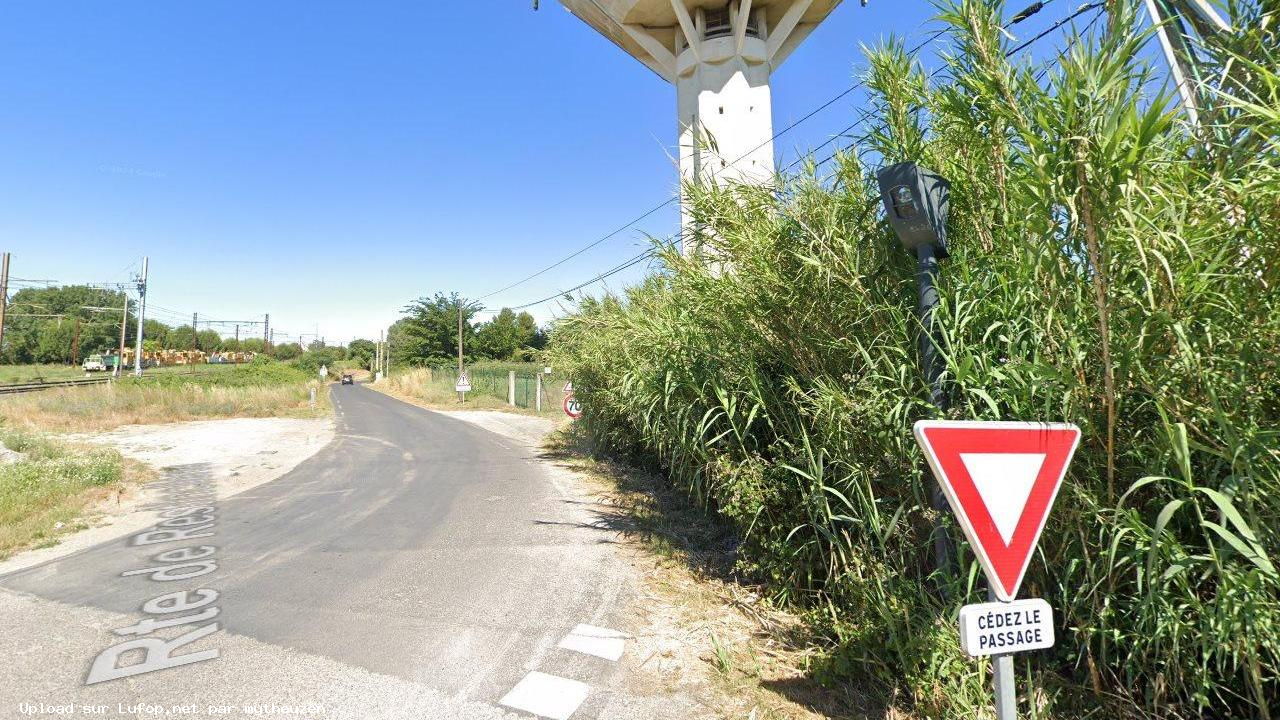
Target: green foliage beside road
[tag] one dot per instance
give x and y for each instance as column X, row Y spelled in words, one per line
column 41, row 323
column 262, row 372
column 1106, row 270
column 509, row 336
column 428, row 334
column 263, row 388
column 50, row 484
column 54, row 482
column 490, row 385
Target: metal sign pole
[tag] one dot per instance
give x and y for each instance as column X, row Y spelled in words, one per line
column 1002, row 672
column 926, row 282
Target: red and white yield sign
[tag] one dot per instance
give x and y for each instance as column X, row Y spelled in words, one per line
column 1001, row 479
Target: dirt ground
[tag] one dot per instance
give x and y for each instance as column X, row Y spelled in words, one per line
column 703, row 634
column 241, row 453
column 698, row 635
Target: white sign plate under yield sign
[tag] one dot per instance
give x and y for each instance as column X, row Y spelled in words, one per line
column 1003, row 628
column 1001, row 479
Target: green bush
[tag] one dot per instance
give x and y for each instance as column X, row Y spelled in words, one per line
column 261, row 371
column 1107, row 269
column 47, row 486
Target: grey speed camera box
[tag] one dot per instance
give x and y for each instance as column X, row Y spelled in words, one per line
column 916, row 201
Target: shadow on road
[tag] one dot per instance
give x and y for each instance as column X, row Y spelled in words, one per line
column 639, row 506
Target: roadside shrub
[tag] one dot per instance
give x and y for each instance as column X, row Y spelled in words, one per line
column 261, row 372
column 263, row 388
column 1109, row 268
column 47, row 486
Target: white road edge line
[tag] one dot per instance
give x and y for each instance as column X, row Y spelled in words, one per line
column 597, row 641
column 546, row 696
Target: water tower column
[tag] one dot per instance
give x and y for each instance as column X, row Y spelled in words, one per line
column 723, row 98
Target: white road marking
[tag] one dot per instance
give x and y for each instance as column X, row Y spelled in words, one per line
column 546, row 696
column 597, row 641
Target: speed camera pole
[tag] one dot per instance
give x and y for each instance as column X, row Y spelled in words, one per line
column 916, row 202
column 926, row 281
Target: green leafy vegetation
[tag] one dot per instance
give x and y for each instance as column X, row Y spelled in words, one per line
column 490, row 385
column 427, row 335
column 44, row 492
column 1108, row 268
column 65, row 324
column 263, row 388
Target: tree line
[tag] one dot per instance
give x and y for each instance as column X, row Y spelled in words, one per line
column 67, row 323
column 428, row 333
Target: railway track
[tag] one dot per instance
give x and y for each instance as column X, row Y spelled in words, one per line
column 27, row 387
column 16, row 388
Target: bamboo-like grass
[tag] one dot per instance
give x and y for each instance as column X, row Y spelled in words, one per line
column 1109, row 268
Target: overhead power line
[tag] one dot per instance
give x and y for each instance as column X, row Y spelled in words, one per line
column 1021, row 16
column 608, row 273
column 863, row 117
column 1056, row 26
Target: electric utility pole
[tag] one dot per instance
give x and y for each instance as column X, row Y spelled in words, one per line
column 4, row 294
column 1171, row 18
column 142, row 313
column 462, row 397
column 117, row 371
column 195, row 331
column 266, row 334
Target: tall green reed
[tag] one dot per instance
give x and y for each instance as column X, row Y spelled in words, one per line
column 1109, row 268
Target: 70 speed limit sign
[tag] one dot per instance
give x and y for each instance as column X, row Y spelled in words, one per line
column 572, row 407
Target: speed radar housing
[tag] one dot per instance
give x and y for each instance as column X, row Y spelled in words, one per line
column 916, row 201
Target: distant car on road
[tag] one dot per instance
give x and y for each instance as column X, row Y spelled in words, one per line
column 348, row 379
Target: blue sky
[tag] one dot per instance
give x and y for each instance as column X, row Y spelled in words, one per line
column 328, row 162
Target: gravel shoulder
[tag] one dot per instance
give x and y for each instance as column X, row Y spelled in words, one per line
column 526, row 429
column 241, row 453
column 704, row 645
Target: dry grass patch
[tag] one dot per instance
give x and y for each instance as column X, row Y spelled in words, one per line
column 104, row 407
column 51, row 489
column 707, row 632
column 422, row 388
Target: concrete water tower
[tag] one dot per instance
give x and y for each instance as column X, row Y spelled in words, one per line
column 720, row 56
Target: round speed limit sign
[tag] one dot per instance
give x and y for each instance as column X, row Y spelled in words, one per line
column 572, row 407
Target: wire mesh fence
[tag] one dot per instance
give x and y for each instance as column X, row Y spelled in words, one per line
column 513, row 384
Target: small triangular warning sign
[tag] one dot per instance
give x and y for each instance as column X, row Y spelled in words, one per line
column 1001, row 479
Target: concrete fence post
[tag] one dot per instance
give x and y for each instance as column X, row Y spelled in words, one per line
column 538, row 394
column 511, row 388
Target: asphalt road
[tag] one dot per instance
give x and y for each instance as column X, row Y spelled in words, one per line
column 418, row 566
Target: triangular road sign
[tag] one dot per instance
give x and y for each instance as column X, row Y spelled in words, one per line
column 1001, row 479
